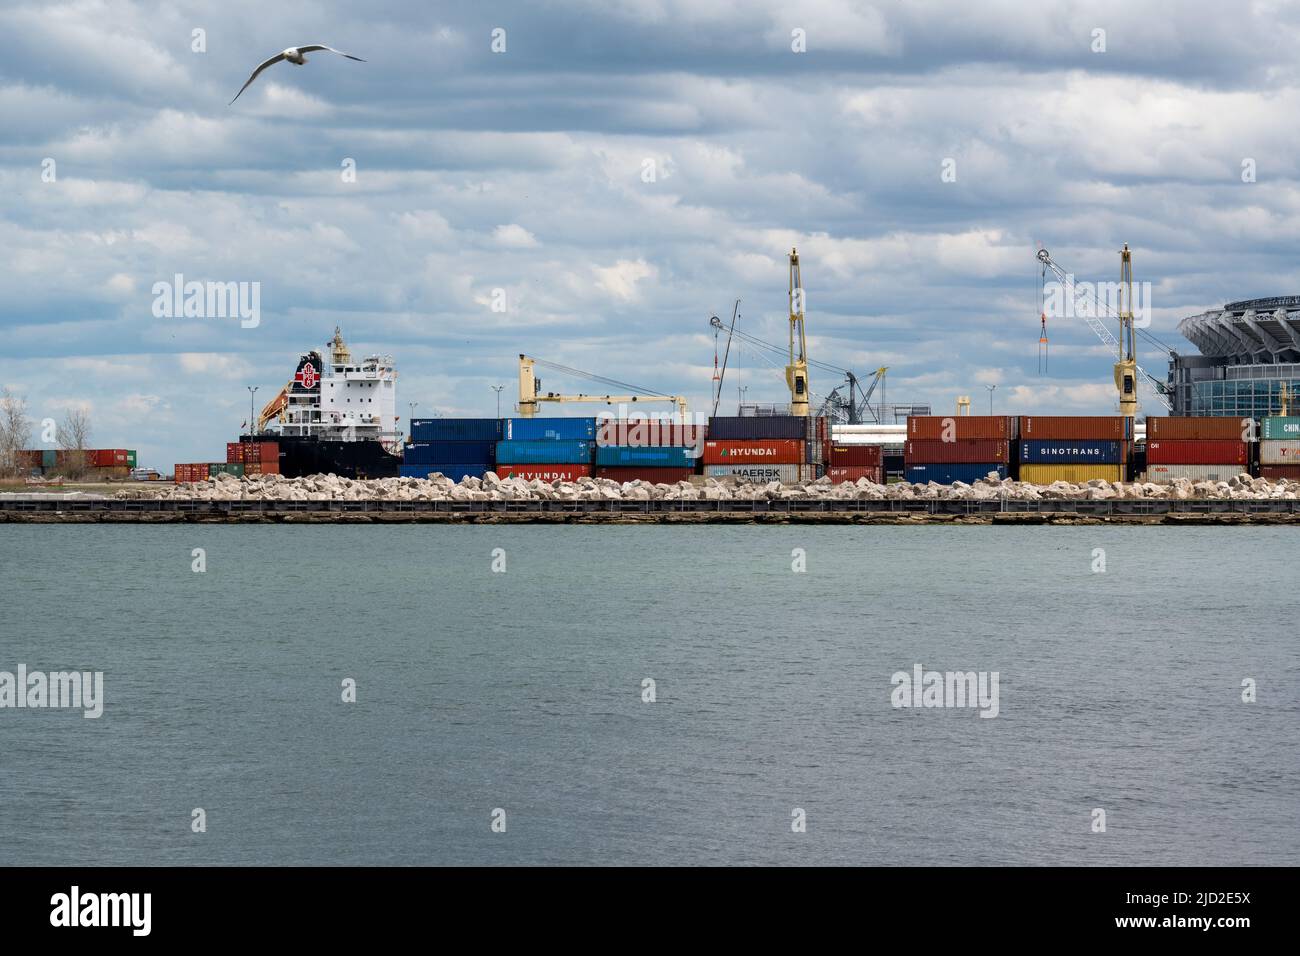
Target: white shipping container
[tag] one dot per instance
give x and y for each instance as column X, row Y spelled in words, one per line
column 1193, row 472
column 786, row 474
column 1279, row 452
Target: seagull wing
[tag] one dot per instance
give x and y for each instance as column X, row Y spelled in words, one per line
column 275, row 59
column 320, row 46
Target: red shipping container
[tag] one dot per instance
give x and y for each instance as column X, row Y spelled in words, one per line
column 1172, row 428
column 842, row 473
column 647, row 432
column 960, row 427
column 252, row 467
column 1197, row 453
column 759, row 451
column 1086, row 427
column 270, row 467
column 864, row 455
column 269, row 451
column 544, row 472
column 658, row 476
column 968, row 452
column 1274, row 472
column 234, row 452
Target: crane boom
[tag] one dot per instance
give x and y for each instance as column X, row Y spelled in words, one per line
column 530, row 398
column 796, row 373
column 1108, row 339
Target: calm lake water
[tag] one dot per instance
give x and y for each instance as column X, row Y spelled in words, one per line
column 523, row 691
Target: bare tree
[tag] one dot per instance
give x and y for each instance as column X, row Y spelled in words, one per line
column 74, row 435
column 15, row 429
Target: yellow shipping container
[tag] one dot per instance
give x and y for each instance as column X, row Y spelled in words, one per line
column 1075, row 474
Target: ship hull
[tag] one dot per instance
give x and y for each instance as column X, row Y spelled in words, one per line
column 300, row 457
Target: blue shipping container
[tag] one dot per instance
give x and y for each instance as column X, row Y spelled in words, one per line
column 745, row 427
column 450, row 452
column 550, row 429
column 456, row 429
column 545, row 452
column 649, row 456
column 947, row 474
column 1071, row 451
column 454, row 472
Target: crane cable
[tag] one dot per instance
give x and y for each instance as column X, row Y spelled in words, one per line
column 599, row 378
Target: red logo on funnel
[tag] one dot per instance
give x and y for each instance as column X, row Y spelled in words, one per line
column 306, row 376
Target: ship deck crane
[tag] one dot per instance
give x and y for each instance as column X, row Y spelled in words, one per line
column 1127, row 371
column 530, row 399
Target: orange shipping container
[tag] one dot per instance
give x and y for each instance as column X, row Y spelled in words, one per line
column 1086, row 427
column 1197, row 453
column 234, row 452
column 867, row 456
column 842, row 473
column 961, row 427
column 757, row 451
column 966, row 452
column 1274, row 472
column 1170, row 428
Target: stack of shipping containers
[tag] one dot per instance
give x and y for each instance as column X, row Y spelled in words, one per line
column 948, row 448
column 851, row 462
column 1199, row 449
column 548, row 449
column 257, row 457
column 1279, row 448
column 646, row 450
column 765, row 447
column 90, row 464
column 1074, row 448
column 453, row 447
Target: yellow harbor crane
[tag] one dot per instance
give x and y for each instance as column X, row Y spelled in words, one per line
column 1126, row 367
column 796, row 373
column 530, row 399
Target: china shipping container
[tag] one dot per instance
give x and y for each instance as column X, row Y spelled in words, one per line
column 851, row 473
column 647, row 431
column 449, row 452
column 550, row 429
column 658, row 476
column 1274, row 472
column 1098, row 427
column 961, row 427
column 456, row 429
column 544, row 452
column 650, row 457
column 962, row 451
column 946, row 474
column 1279, row 452
column 1193, row 472
column 786, row 474
column 555, row 471
column 455, row 472
column 1069, row 451
column 754, row 427
column 1278, row 428
column 1073, row 473
column 850, row 455
column 1176, row 428
column 770, row 451
column 1198, row 452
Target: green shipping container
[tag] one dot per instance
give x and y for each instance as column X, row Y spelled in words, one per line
column 130, row 458
column 1279, row 429
column 49, row 458
column 222, row 468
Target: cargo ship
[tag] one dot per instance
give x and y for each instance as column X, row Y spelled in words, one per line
column 335, row 417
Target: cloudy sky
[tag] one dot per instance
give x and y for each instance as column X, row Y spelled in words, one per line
column 525, row 170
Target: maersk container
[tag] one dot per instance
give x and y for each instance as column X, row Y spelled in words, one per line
column 449, row 452
column 549, row 429
column 786, row 474
column 649, row 456
column 1072, row 451
column 962, row 451
column 1193, row 472
column 947, row 474
column 960, row 427
column 453, row 471
column 544, row 472
column 751, row 427
column 456, row 429
column 545, row 452
column 1091, row 427
column 1200, row 452
column 1279, row 429
column 1180, row 428
column 1075, row 474
column 1279, row 452
column 762, row 451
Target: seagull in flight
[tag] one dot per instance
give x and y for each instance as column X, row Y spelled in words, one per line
column 297, row 55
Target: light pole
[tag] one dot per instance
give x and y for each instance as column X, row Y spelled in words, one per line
column 411, row 415
column 497, row 389
column 990, row 388
column 252, row 390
